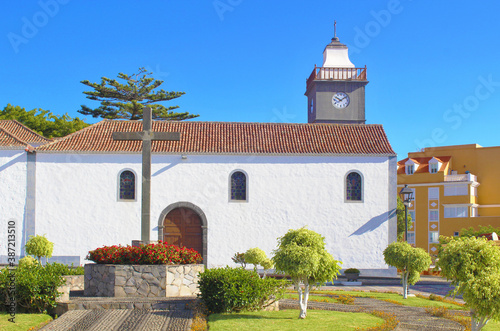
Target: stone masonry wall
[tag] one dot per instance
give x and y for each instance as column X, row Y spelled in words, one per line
column 73, row 283
column 108, row 280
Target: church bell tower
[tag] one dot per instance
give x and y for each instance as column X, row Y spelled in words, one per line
column 336, row 90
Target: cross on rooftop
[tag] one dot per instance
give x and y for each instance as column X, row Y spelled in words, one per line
column 147, row 135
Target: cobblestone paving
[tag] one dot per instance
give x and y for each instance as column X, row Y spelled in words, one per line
column 426, row 286
column 411, row 318
column 122, row 320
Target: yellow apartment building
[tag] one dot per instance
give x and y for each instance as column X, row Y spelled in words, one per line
column 455, row 187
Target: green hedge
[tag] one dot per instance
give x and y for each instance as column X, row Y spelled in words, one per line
column 235, row 289
column 65, row 270
column 35, row 287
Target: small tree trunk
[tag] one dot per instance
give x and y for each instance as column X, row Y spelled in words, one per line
column 405, row 285
column 299, row 290
column 306, row 296
column 303, row 300
column 477, row 324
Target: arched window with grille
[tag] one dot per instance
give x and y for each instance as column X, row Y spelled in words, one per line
column 353, row 187
column 238, row 186
column 126, row 185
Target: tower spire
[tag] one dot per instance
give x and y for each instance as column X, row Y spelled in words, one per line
column 334, row 29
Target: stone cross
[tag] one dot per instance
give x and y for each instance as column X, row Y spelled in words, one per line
column 147, row 135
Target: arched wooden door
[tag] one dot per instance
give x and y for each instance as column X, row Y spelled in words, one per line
column 182, row 227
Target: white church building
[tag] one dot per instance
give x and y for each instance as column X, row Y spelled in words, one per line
column 223, row 188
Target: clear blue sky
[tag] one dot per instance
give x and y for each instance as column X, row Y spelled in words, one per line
column 433, row 66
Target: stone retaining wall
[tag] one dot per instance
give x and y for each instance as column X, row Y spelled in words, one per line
column 73, row 283
column 115, row 280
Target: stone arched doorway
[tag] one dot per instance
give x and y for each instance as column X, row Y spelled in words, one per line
column 184, row 224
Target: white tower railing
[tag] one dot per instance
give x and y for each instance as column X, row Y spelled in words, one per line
column 327, row 73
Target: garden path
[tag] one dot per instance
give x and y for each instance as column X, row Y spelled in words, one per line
column 410, row 318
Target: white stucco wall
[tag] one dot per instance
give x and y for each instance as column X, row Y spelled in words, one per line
column 77, row 203
column 12, row 198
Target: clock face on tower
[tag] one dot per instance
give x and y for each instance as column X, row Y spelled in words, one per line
column 340, row 100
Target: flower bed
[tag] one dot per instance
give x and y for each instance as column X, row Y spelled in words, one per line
column 154, row 270
column 160, row 253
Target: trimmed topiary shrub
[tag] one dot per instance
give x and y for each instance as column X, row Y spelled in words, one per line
column 160, row 253
column 235, row 289
column 351, row 271
column 27, row 261
column 255, row 256
column 35, row 286
column 39, row 246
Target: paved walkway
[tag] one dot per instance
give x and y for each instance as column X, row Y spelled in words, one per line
column 426, row 286
column 411, row 318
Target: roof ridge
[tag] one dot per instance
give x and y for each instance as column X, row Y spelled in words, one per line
column 70, row 135
column 239, row 122
column 256, row 123
column 24, row 127
column 13, row 136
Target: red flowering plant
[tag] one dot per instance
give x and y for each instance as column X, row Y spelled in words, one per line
column 160, row 253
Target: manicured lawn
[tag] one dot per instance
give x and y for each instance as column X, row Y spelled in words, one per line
column 492, row 326
column 289, row 320
column 312, row 297
column 23, row 321
column 411, row 301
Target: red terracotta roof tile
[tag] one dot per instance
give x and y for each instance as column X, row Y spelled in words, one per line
column 232, row 138
column 423, row 163
column 22, row 132
column 9, row 141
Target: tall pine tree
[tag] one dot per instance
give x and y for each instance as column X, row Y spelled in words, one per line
column 126, row 101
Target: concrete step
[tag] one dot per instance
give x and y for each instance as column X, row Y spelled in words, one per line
column 122, row 320
column 87, row 303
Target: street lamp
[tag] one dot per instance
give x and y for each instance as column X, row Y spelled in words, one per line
column 406, row 195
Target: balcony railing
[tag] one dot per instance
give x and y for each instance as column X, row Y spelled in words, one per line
column 460, row 178
column 324, row 73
